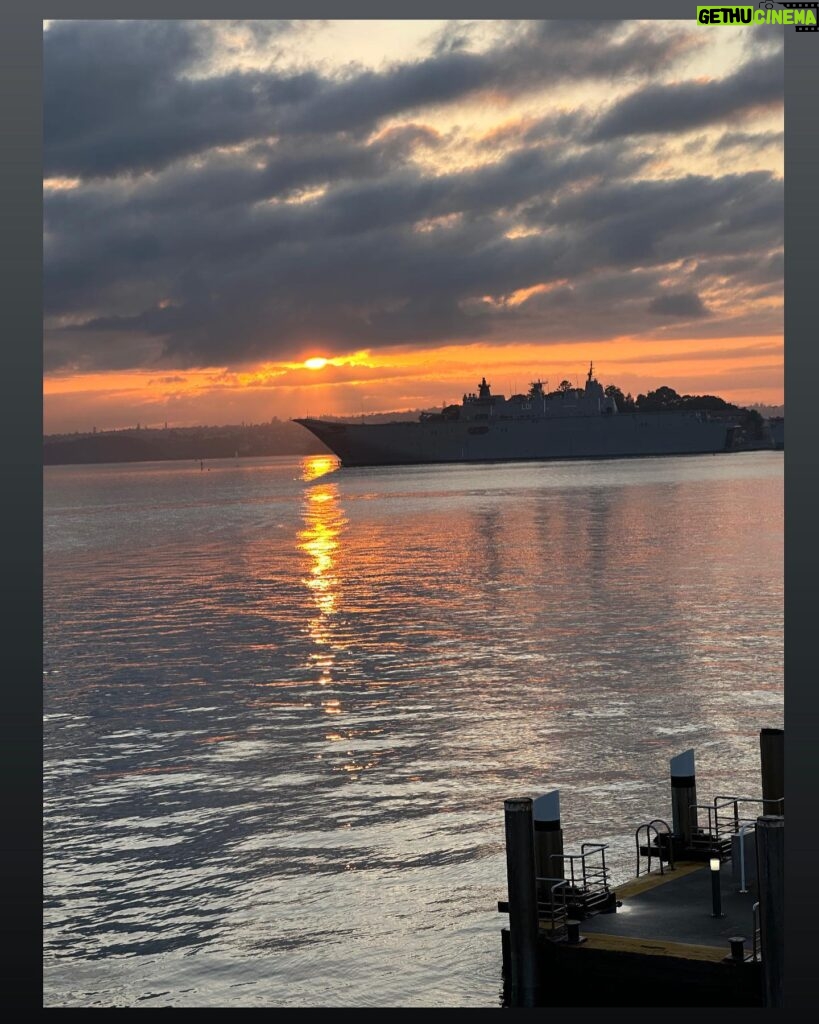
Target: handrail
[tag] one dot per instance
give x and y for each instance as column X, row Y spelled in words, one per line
column 648, row 825
column 557, row 912
column 587, row 880
column 736, row 800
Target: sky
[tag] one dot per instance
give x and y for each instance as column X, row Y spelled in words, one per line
column 247, row 220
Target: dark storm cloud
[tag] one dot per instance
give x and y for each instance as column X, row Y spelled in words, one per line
column 117, row 97
column 113, row 236
column 692, row 104
column 320, row 227
column 120, row 97
column 354, row 269
column 544, row 53
column 658, row 222
column 682, row 306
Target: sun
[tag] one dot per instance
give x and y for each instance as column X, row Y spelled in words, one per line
column 316, row 363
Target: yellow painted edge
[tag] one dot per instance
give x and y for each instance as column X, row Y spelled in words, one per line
column 651, row 947
column 646, row 882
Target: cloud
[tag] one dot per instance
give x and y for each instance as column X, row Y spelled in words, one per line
column 660, row 108
column 223, row 217
column 118, row 97
column 750, row 141
column 682, row 305
column 351, row 269
column 123, row 97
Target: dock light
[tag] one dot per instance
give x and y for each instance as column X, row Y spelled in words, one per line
column 716, row 894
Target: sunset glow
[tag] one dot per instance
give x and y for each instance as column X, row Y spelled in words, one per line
column 528, row 214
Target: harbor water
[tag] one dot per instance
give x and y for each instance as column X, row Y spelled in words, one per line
column 284, row 704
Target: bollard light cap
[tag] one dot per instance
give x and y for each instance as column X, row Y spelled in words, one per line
column 547, row 806
column 683, row 764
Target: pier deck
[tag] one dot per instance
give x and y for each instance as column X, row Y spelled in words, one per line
column 662, row 913
column 683, row 934
column 662, row 947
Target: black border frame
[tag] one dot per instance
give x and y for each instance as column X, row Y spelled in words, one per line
column 21, row 99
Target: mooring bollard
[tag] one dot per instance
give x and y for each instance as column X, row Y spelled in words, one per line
column 683, row 796
column 548, row 837
column 770, row 857
column 520, row 873
column 737, row 944
column 772, row 763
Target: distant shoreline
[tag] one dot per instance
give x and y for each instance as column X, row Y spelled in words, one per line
column 182, row 444
column 166, row 444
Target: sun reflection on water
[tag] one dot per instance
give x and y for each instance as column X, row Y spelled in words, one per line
column 314, row 466
column 319, row 539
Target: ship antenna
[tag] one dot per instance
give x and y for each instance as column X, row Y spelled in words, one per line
column 591, row 370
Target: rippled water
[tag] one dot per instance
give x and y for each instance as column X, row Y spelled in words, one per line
column 284, row 706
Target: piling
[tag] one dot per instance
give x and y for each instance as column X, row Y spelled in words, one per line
column 523, row 922
column 548, row 836
column 683, row 796
column 770, row 855
column 772, row 760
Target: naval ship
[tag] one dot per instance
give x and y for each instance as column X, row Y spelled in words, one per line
column 579, row 423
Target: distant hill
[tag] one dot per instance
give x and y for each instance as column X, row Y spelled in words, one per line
column 149, row 445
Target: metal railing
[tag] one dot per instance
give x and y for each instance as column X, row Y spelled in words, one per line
column 726, row 817
column 552, row 910
column 586, row 875
column 665, row 841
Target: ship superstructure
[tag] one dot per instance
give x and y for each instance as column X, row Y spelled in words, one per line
column 577, row 423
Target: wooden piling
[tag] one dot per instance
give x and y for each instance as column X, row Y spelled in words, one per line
column 523, row 923
column 683, row 796
column 772, row 762
column 770, row 855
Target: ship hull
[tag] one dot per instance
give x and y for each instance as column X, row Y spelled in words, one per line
column 430, row 441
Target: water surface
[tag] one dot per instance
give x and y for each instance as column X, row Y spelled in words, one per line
column 284, row 705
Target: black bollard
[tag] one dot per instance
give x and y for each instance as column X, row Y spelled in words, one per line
column 523, row 923
column 772, row 763
column 770, row 856
column 716, row 891
column 683, row 796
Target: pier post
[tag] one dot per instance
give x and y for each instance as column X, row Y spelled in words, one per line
column 683, row 796
column 772, row 759
column 523, row 924
column 770, row 856
column 548, row 836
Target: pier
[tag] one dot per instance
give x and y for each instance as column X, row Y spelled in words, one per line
column 699, row 924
